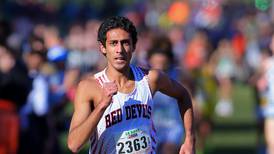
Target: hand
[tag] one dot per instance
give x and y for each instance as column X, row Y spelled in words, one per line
column 188, row 147
column 109, row 89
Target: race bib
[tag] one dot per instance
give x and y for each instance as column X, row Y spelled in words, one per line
column 134, row 141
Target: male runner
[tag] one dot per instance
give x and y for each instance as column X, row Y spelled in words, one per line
column 113, row 108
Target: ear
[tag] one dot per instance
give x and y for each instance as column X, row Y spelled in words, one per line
column 102, row 48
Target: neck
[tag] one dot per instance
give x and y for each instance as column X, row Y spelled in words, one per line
column 120, row 77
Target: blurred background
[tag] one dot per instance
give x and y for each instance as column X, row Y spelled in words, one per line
column 217, row 47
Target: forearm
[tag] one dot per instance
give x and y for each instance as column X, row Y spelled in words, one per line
column 189, row 124
column 80, row 134
column 185, row 104
column 189, row 144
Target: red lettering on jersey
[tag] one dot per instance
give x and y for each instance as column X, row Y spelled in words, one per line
column 113, row 118
column 107, row 119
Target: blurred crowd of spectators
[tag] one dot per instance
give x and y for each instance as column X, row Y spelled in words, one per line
column 46, row 48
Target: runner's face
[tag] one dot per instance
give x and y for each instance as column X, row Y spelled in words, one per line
column 118, row 48
column 159, row 61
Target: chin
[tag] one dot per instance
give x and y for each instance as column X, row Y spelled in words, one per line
column 121, row 67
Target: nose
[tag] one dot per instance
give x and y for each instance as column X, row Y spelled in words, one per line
column 120, row 47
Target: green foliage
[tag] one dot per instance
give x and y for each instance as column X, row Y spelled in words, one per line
column 236, row 134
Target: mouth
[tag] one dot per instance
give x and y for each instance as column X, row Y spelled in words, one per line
column 120, row 59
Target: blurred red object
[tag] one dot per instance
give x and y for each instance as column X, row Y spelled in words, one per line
column 9, row 128
column 179, row 12
column 239, row 45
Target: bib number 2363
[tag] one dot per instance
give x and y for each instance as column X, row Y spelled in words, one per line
column 133, row 141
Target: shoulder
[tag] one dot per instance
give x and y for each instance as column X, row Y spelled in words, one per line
column 158, row 74
column 89, row 81
column 154, row 75
column 88, row 86
column 147, row 72
column 155, row 78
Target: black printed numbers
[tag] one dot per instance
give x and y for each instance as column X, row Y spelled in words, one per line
column 144, row 141
column 129, row 145
column 122, row 147
column 136, row 144
column 132, row 145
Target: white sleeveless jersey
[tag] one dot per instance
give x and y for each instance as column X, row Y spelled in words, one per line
column 126, row 125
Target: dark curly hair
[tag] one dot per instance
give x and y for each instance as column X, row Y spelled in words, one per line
column 116, row 22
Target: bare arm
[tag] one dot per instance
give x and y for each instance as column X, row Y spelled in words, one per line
column 85, row 120
column 159, row 81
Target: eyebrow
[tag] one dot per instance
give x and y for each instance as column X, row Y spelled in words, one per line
column 124, row 40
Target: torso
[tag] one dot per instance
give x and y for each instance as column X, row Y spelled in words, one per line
column 126, row 125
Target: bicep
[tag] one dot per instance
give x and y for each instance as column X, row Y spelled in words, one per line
column 174, row 89
column 81, row 105
column 170, row 86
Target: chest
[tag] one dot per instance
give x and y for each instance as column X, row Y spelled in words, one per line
column 127, row 88
column 128, row 108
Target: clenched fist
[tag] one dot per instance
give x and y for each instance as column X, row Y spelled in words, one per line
column 109, row 89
